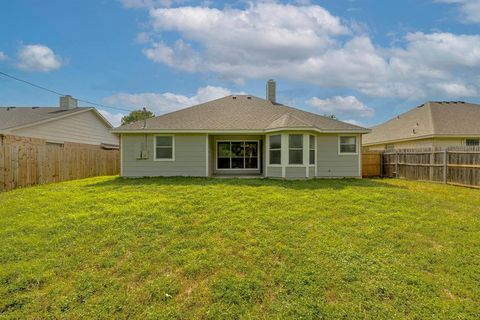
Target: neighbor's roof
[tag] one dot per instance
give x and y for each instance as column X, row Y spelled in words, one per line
column 240, row 112
column 15, row 117
column 428, row 120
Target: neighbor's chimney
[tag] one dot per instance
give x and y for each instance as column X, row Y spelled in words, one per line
column 271, row 90
column 68, row 102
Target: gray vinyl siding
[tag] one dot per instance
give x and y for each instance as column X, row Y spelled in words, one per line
column 274, row 172
column 330, row 163
column 190, row 156
column 295, row 172
column 311, row 172
column 85, row 127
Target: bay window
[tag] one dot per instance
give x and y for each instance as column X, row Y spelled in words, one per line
column 275, row 149
column 295, row 148
column 311, row 149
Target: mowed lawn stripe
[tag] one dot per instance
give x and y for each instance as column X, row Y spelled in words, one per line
column 182, row 248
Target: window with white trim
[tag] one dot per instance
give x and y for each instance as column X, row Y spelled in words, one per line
column 472, row 142
column 275, row 149
column 311, row 143
column 295, row 149
column 348, row 144
column 164, row 147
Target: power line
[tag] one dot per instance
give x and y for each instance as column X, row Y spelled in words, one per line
column 58, row 93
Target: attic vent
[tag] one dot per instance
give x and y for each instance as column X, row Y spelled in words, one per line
column 249, row 98
column 234, row 97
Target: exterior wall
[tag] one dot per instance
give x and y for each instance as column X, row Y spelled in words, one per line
column 273, row 172
column 84, row 128
column 311, row 172
column 190, row 154
column 295, row 172
column 422, row 143
column 332, row 164
column 213, row 149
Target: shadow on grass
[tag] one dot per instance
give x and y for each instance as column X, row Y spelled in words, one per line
column 312, row 184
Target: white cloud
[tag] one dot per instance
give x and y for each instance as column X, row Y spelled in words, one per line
column 3, row 56
column 38, row 57
column 308, row 44
column 115, row 119
column 470, row 9
column 341, row 107
column 161, row 103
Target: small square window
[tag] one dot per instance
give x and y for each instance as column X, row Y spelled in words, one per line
column 348, row 144
column 164, row 148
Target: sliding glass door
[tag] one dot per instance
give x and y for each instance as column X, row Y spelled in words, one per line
column 237, row 155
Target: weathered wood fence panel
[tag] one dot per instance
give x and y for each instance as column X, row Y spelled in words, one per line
column 28, row 161
column 459, row 166
column 371, row 164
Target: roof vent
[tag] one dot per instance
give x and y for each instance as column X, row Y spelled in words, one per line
column 35, row 107
column 249, row 97
column 398, row 118
column 234, row 97
column 10, row 108
column 414, row 131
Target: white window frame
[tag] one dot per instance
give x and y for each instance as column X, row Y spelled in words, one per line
column 348, row 153
column 314, row 150
column 237, row 169
column 302, row 149
column 478, row 139
column 155, row 147
column 276, row 149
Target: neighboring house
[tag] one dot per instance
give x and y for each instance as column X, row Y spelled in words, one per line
column 241, row 135
column 433, row 124
column 66, row 123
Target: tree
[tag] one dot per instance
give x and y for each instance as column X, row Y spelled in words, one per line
column 137, row 115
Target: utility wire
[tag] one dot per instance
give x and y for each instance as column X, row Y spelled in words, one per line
column 58, row 93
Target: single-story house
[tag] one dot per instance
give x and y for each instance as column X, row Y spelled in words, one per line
column 437, row 124
column 241, row 135
column 65, row 123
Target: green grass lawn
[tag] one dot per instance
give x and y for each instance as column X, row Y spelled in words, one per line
column 183, row 248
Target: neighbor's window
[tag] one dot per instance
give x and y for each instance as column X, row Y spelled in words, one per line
column 164, row 148
column 275, row 149
column 295, row 148
column 348, row 144
column 312, row 149
column 472, row 142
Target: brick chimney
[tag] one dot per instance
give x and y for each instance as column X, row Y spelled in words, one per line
column 68, row 102
column 271, row 91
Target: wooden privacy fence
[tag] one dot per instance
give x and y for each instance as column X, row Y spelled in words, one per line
column 457, row 166
column 29, row 161
column 371, row 164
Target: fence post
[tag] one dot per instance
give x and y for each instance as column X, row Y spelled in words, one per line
column 445, row 165
column 396, row 163
column 431, row 167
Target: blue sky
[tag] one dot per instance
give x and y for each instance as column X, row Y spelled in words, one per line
column 363, row 60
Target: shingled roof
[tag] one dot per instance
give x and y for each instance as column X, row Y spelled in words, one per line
column 15, row 117
column 428, row 120
column 240, row 112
